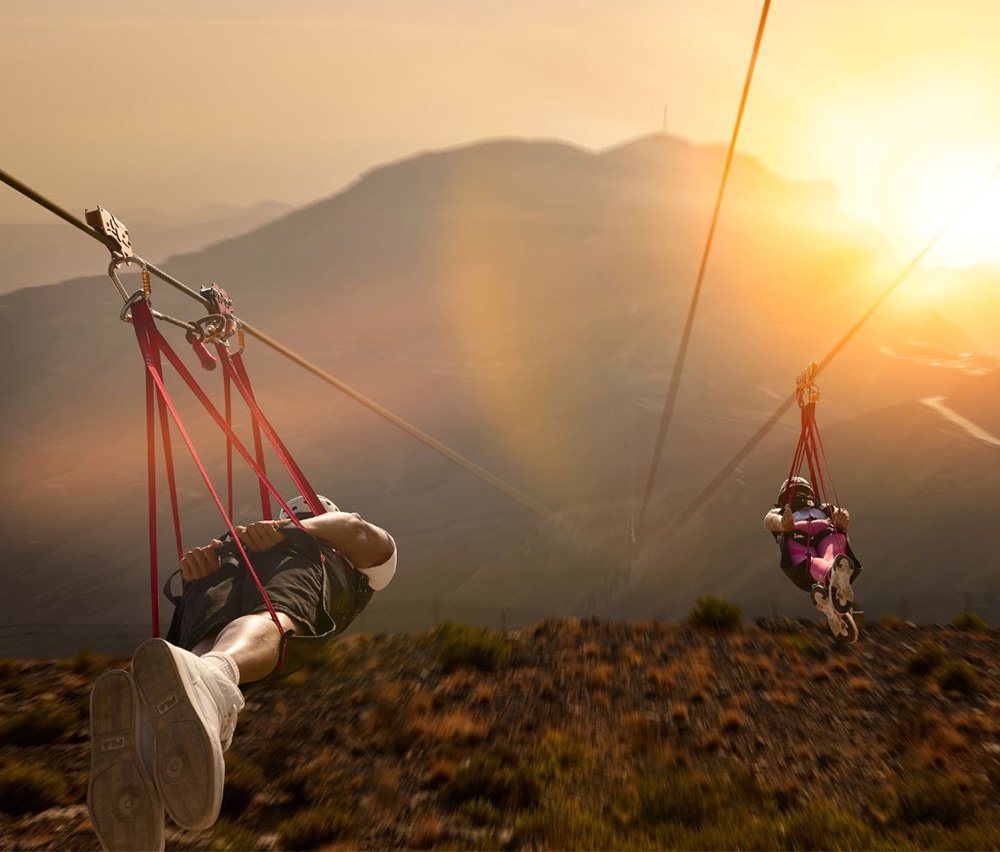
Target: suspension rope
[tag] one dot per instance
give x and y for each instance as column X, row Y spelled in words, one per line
column 675, row 378
column 772, row 421
column 413, row 431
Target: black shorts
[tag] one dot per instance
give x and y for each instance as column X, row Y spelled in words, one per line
column 295, row 585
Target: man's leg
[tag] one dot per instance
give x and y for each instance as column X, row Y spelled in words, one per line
column 252, row 642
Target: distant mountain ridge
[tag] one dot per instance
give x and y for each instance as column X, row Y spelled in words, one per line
column 520, row 301
column 35, row 254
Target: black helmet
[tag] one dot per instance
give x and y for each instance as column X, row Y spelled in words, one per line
column 796, row 483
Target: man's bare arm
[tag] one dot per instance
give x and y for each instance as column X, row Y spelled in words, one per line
column 364, row 544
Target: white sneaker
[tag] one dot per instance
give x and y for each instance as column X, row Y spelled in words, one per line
column 821, row 600
column 841, row 592
column 193, row 715
column 122, row 800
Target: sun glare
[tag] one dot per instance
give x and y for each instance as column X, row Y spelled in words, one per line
column 931, row 188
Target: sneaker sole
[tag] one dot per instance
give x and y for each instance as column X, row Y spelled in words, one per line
column 125, row 811
column 841, row 592
column 834, row 620
column 189, row 769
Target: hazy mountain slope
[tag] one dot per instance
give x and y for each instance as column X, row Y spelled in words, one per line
column 519, row 300
column 36, row 254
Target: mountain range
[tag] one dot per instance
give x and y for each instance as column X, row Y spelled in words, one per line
column 522, row 301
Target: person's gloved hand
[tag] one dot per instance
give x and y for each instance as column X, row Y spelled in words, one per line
column 787, row 520
column 841, row 519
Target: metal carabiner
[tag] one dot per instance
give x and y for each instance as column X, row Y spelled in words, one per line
column 117, row 261
column 137, row 296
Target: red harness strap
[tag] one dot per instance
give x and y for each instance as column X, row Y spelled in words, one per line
column 152, row 344
column 265, row 500
column 236, row 370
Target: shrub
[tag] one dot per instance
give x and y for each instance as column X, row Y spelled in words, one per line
column 244, row 778
column 30, row 788
column 675, row 796
column 890, row 622
column 88, row 664
column 310, row 783
column 480, row 812
column 557, row 753
column 44, row 721
column 314, row 827
column 958, row 676
column 227, row 835
column 563, row 825
column 822, row 826
column 714, row 614
column 925, row 658
column 504, row 782
column 932, row 797
column 968, row 621
column 477, row 647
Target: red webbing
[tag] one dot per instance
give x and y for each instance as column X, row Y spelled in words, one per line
column 258, row 446
column 228, row 394
column 154, row 578
column 168, row 463
column 235, row 367
column 220, row 421
column 150, row 341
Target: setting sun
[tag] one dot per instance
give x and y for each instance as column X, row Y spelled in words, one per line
column 930, row 188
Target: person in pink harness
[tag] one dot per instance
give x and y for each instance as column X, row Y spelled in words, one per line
column 816, row 554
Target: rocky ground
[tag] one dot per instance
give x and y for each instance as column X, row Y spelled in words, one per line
column 570, row 734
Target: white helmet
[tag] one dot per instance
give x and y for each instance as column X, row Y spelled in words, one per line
column 300, row 507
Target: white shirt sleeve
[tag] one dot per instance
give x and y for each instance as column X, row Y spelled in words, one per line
column 379, row 576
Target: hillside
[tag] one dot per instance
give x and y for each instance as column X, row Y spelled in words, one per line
column 571, row 734
column 36, row 253
column 521, row 301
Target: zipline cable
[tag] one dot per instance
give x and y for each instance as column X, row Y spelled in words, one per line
column 675, row 378
column 772, row 421
column 466, row 464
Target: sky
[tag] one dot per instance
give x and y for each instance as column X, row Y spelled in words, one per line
column 175, row 106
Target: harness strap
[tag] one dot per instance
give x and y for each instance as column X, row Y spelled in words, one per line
column 237, row 370
column 224, row 357
column 151, row 500
column 150, row 343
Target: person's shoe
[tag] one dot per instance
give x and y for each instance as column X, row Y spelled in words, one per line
column 821, row 600
column 193, row 712
column 841, row 592
column 121, row 798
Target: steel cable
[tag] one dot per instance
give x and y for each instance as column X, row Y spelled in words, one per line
column 675, row 378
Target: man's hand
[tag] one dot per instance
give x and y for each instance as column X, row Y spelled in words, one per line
column 787, row 520
column 200, row 562
column 261, row 535
column 841, row 519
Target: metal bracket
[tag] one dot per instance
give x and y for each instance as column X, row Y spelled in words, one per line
column 806, row 390
column 105, row 223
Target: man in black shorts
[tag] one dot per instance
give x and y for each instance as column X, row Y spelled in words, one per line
column 158, row 734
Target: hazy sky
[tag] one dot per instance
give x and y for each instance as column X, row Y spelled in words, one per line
column 182, row 104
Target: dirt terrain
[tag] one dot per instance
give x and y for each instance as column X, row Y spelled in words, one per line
column 570, row 734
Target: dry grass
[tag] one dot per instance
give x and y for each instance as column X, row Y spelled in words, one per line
column 600, row 676
column 732, row 721
column 426, row 832
column 783, row 697
column 455, row 726
column 862, row 684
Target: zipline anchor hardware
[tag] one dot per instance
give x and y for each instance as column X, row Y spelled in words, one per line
column 105, row 223
column 217, row 327
column 806, row 390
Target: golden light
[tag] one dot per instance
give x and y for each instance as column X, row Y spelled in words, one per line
column 929, row 188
